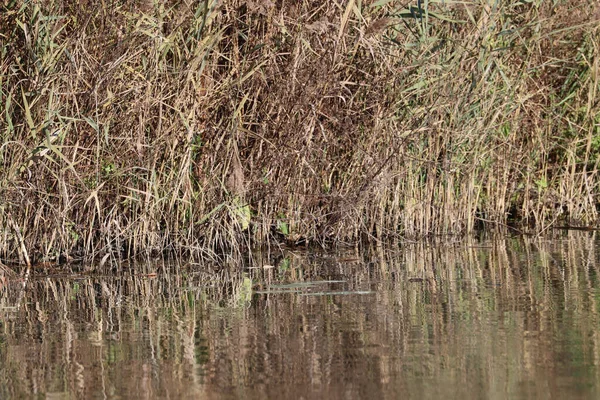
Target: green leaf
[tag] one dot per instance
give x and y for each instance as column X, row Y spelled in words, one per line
column 283, row 227
column 285, row 264
column 242, row 213
column 542, row 183
column 381, row 3
column 245, row 216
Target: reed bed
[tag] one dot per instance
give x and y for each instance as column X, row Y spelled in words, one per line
column 139, row 127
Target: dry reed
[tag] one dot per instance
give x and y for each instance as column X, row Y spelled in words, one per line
column 137, row 127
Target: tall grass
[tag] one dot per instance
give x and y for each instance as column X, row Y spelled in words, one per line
column 134, row 127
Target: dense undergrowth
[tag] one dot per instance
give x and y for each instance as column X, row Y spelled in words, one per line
column 130, row 127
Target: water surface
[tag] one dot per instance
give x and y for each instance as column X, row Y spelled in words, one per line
column 513, row 318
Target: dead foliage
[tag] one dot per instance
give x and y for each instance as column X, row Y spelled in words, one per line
column 143, row 127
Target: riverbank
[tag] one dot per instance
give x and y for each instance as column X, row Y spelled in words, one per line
column 141, row 127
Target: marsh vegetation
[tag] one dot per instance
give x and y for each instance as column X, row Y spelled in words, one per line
column 138, row 127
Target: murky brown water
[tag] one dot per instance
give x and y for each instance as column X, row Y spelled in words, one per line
column 504, row 319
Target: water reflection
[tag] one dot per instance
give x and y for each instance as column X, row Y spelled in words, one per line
column 503, row 319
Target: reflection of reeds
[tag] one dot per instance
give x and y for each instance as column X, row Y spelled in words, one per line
column 489, row 316
column 138, row 127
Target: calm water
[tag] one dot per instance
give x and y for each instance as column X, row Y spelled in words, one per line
column 493, row 320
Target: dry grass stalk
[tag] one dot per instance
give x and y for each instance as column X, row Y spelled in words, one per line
column 212, row 126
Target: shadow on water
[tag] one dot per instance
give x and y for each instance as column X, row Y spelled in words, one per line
column 500, row 319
